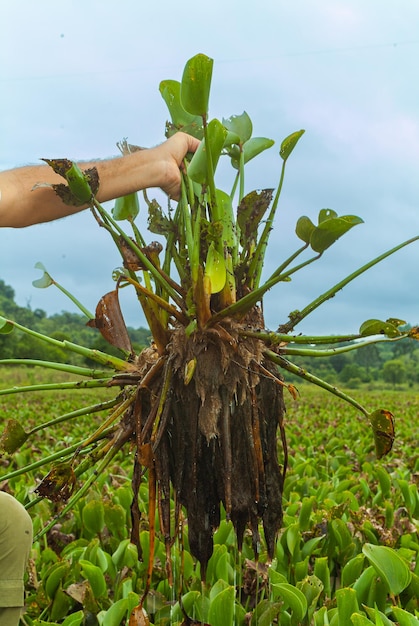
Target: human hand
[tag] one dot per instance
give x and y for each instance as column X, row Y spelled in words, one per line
column 170, row 156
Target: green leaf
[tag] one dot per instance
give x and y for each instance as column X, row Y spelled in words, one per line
column 378, row 327
column 215, row 269
column 95, row 576
column 45, row 281
column 252, row 148
column 265, row 613
column 221, row 610
column 293, row 598
column 382, row 424
column 170, row 91
column 352, row 570
column 93, row 516
column 326, row 214
column 358, row 619
column 126, row 208
column 390, row 566
column 329, row 230
column 304, row 228
column 196, row 84
column 312, row 588
column 404, row 618
column 115, row 614
column 380, row 619
column 78, row 181
column 198, row 167
column 240, row 125
column 12, row 437
column 347, row 604
column 363, row 584
column 75, row 619
column 115, row 519
column 6, row 326
column 289, row 143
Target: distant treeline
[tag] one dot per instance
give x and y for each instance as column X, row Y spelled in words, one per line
column 391, row 362
column 61, row 326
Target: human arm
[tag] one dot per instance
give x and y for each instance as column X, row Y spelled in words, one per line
column 21, row 206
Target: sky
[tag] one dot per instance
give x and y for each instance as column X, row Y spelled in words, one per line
column 78, row 76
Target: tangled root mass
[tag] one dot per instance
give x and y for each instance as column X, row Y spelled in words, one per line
column 214, row 436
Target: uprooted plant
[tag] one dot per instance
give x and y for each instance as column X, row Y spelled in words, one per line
column 203, row 404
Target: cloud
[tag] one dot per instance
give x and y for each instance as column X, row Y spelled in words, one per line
column 345, row 71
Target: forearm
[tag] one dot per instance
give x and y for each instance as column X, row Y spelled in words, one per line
column 22, row 205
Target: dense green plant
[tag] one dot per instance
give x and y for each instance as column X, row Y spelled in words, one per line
column 204, row 403
column 337, row 498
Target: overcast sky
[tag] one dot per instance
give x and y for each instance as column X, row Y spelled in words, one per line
column 78, row 76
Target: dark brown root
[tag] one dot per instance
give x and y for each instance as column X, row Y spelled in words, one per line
column 212, row 437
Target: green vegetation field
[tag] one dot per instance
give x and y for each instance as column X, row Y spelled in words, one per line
column 348, row 552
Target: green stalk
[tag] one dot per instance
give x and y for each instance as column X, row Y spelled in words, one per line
column 290, row 259
column 63, row 367
column 82, row 384
column 61, row 454
column 241, row 189
column 332, row 351
column 299, row 371
column 251, row 299
column 72, row 501
column 87, row 410
column 143, row 258
column 187, row 223
column 332, row 292
column 95, row 355
column 273, row 338
column 210, row 168
column 236, row 181
column 78, row 304
column 256, row 265
column 285, row 277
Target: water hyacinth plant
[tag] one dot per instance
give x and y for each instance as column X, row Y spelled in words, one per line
column 203, row 405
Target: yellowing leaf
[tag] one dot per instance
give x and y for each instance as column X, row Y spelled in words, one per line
column 215, row 269
column 382, row 424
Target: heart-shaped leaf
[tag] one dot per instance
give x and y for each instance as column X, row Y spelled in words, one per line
column 378, row 327
column 304, row 228
column 329, row 230
column 241, row 125
column 45, row 281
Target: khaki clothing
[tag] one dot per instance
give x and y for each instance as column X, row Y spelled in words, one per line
column 15, row 544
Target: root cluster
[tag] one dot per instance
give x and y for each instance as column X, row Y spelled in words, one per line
column 207, row 425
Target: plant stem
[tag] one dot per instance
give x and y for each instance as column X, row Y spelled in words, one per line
column 95, row 408
column 95, row 355
column 331, row 292
column 82, row 384
column 256, row 264
column 61, row 454
column 273, row 338
column 62, row 367
column 299, row 371
column 332, row 351
column 143, row 257
column 78, row 304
